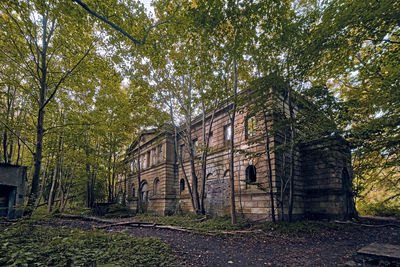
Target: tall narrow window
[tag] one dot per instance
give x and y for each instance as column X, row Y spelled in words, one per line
column 148, row 159
column 153, row 156
column 133, row 190
column 227, row 133
column 157, row 190
column 182, row 185
column 250, row 127
column 182, row 152
column 143, row 159
column 194, row 147
column 160, row 153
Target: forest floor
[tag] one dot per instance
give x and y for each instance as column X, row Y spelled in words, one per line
column 323, row 247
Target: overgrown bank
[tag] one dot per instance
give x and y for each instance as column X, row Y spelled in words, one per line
column 26, row 244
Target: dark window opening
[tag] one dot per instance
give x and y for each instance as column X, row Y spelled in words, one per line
column 182, row 185
column 8, row 196
column 251, row 174
column 133, row 191
column 148, row 160
column 226, row 174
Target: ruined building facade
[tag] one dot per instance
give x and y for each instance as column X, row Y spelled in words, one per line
column 322, row 171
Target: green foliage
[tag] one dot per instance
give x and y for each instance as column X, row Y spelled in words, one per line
column 355, row 50
column 379, row 209
column 23, row 244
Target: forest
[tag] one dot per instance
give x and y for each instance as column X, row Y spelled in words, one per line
column 80, row 80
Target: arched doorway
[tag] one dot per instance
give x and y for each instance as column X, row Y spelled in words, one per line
column 217, row 195
column 144, row 195
column 349, row 209
column 157, row 189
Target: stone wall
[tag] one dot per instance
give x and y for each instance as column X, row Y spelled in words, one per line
column 157, row 177
column 326, row 170
column 250, row 201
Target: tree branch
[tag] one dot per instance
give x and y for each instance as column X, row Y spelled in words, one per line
column 67, row 74
column 159, row 23
column 116, row 27
column 19, row 138
column 84, row 6
column 68, row 124
column 383, row 40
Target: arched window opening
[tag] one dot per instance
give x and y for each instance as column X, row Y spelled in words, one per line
column 182, row 185
column 251, row 174
column 157, row 190
column 133, row 191
column 226, row 174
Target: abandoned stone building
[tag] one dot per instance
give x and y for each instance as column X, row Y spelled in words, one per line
column 12, row 186
column 322, row 178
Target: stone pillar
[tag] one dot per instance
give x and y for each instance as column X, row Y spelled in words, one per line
column 327, row 172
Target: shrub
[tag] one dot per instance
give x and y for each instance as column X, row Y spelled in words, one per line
column 379, row 209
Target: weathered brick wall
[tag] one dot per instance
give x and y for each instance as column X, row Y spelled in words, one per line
column 250, row 200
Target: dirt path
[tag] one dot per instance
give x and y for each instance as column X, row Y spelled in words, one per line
column 327, row 248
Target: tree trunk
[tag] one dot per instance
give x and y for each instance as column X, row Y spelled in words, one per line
column 206, row 140
column 110, row 198
column 40, row 121
column 232, row 145
column 113, row 179
column 52, row 189
column 268, row 151
column 292, row 156
column 139, row 203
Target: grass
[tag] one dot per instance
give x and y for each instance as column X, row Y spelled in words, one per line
column 24, row 244
column 196, row 223
column 220, row 224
